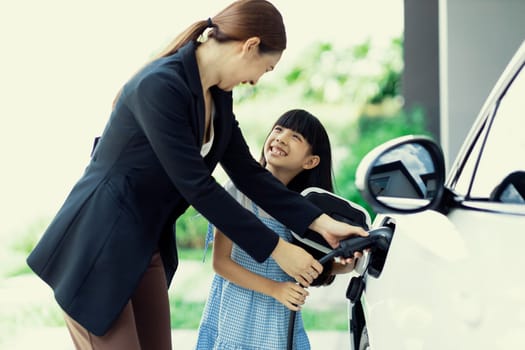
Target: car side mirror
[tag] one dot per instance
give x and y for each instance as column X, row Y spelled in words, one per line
column 404, row 175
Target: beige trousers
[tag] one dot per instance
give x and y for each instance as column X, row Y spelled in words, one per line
column 144, row 323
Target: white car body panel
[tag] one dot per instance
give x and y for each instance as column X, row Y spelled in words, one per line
column 429, row 295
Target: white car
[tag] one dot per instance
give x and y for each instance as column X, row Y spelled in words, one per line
column 454, row 275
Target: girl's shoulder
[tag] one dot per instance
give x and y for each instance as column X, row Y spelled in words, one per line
column 238, row 195
column 245, row 201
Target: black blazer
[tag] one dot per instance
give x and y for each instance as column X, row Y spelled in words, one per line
column 145, row 171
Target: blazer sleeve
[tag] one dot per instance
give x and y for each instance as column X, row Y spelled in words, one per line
column 287, row 206
column 162, row 106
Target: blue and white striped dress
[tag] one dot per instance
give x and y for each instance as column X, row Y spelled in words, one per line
column 236, row 318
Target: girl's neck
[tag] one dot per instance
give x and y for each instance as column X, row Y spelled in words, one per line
column 284, row 176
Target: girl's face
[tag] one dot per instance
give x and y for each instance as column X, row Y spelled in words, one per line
column 287, row 152
column 248, row 66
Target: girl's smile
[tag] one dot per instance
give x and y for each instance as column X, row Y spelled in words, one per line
column 277, row 151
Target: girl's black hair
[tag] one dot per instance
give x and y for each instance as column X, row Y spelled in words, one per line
column 314, row 132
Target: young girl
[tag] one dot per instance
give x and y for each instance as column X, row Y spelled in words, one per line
column 248, row 303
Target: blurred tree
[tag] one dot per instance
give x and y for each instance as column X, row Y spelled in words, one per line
column 364, row 73
column 370, row 131
column 191, row 229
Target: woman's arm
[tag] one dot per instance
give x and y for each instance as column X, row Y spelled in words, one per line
column 287, row 206
column 161, row 107
column 290, row 294
column 164, row 108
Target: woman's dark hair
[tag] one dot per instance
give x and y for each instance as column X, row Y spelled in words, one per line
column 241, row 20
column 314, row 132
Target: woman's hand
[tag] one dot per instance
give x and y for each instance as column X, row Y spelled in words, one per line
column 290, row 294
column 296, row 262
column 334, row 231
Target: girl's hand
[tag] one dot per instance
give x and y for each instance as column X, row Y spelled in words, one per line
column 348, row 263
column 290, row 294
column 341, row 266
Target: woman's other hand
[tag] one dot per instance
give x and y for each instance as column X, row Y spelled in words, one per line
column 296, row 262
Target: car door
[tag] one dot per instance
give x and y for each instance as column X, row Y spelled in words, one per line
column 454, row 279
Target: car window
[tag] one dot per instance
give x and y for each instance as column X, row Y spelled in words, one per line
column 463, row 179
column 500, row 173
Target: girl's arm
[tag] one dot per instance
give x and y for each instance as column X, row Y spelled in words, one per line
column 290, row 294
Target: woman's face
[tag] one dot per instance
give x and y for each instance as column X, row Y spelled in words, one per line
column 248, row 67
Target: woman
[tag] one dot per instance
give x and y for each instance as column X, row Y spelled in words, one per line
column 109, row 254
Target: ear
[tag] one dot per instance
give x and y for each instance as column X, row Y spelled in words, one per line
column 251, row 44
column 311, row 162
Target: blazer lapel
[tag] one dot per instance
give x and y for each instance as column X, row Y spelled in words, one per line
column 222, row 123
column 189, row 62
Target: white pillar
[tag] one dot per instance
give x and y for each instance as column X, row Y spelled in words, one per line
column 477, row 39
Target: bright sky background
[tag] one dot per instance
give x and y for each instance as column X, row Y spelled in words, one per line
column 62, row 61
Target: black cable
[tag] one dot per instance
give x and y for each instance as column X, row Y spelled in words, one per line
column 291, row 322
column 291, row 326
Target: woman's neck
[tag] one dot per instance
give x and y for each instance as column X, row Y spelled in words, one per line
column 210, row 56
column 203, row 53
